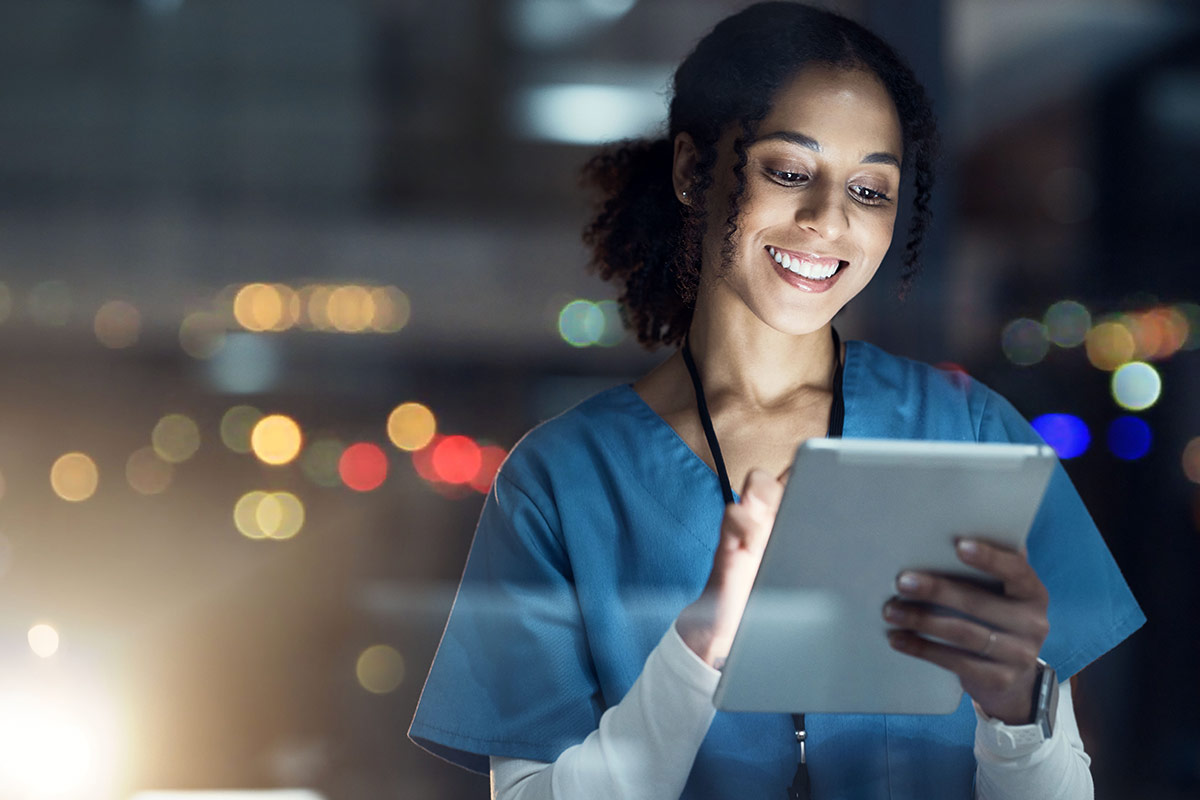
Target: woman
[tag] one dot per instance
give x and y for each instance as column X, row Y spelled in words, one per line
column 612, row 561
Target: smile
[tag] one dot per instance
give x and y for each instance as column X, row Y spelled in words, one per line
column 806, row 265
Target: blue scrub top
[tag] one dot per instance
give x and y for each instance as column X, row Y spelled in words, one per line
column 601, row 528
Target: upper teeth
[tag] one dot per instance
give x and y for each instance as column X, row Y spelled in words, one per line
column 803, row 267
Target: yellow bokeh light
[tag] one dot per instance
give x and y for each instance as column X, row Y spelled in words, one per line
column 1109, row 345
column 117, row 324
column 236, row 426
column 392, row 309
column 289, row 303
column 279, row 515
column 245, row 515
column 74, row 477
column 260, row 307
column 276, row 439
column 175, row 438
column 411, row 426
column 43, row 640
column 147, row 473
column 202, row 334
column 380, row 669
column 350, row 309
column 1191, row 460
column 316, row 305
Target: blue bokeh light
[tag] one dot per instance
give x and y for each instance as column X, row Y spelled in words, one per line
column 1066, row 433
column 1129, row 438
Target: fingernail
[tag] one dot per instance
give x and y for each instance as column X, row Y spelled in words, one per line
column 892, row 613
column 908, row 582
column 968, row 547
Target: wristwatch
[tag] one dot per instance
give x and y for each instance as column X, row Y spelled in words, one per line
column 1045, row 699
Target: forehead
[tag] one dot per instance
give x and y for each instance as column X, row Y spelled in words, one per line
column 846, row 111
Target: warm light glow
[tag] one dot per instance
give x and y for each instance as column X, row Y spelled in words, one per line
column 48, row 750
column 456, row 459
column 245, row 515
column 319, row 462
column 147, row 473
column 236, row 425
column 261, row 307
column 1067, row 323
column 289, row 302
column 117, row 324
column 315, row 301
column 1136, row 386
column 279, row 515
column 1191, row 460
column 1109, row 345
column 351, row 309
column 490, row 459
column 276, row 439
column 380, row 669
column 423, row 460
column 1158, row 333
column 201, row 334
column 175, row 438
column 392, row 309
column 411, row 426
column 1024, row 342
column 74, row 477
column 1191, row 315
column 363, row 467
column 43, row 640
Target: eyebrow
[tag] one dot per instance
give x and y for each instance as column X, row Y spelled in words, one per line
column 812, row 144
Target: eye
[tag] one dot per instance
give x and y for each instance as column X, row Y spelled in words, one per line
column 868, row 196
column 787, row 178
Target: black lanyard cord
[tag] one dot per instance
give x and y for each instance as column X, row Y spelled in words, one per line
column 799, row 790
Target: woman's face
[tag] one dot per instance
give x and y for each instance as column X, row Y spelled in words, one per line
column 822, row 179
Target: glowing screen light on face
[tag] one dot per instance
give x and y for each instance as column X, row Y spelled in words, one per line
column 363, row 467
column 1066, row 433
column 1024, row 342
column 1136, row 386
column 1067, row 323
column 1129, row 438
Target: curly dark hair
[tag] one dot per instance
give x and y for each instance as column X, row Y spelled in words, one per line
column 648, row 243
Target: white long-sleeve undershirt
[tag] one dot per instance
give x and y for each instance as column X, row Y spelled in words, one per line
column 645, row 745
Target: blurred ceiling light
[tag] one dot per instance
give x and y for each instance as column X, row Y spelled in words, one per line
column 248, row 363
column 147, row 473
column 117, row 324
column 276, row 439
column 175, row 438
column 259, row 307
column 587, row 114
column 43, row 640
column 380, row 669
column 545, row 23
column 74, row 477
column 201, row 334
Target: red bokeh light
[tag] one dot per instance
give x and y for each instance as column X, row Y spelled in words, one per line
column 490, row 460
column 423, row 460
column 456, row 459
column 363, row 466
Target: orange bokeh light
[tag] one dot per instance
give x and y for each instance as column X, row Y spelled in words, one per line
column 456, row 459
column 363, row 467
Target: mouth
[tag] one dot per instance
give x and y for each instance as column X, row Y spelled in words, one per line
column 809, row 266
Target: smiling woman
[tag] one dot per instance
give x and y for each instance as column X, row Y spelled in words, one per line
column 613, row 560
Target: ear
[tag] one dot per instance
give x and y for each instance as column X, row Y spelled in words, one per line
column 683, row 168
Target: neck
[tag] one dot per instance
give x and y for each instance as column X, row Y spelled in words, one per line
column 739, row 356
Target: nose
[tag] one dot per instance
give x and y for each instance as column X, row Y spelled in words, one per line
column 823, row 212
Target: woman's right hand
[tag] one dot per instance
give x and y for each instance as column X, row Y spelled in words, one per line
column 707, row 625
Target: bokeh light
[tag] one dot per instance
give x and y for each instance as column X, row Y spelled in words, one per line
column 1067, row 323
column 74, row 477
column 1066, row 433
column 581, row 323
column 117, row 324
column 1129, row 438
column 456, row 459
column 423, row 460
column 350, row 309
column 1191, row 314
column 411, row 426
column 315, row 300
column 614, row 328
column 1136, row 385
column 490, row 459
column 1024, row 342
column 201, row 334
column 1158, row 333
column 276, row 439
column 43, row 640
column 363, row 467
column 279, row 515
column 319, row 461
column 1191, row 460
column 245, row 517
column 50, row 303
column 1109, row 345
column 175, row 438
column 380, row 669
column 6, row 302
column 392, row 309
column 147, row 473
column 236, row 426
column 260, row 307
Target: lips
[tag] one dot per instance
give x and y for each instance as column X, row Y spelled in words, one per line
column 807, row 265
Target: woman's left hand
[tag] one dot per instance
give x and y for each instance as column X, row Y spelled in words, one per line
column 994, row 653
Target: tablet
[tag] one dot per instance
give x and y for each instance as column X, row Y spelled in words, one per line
column 856, row 513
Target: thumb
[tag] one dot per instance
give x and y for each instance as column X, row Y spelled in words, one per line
column 762, row 492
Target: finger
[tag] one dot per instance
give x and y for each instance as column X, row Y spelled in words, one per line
column 963, row 634
column 784, row 476
column 746, row 526
column 971, row 670
column 761, row 488
column 1023, row 617
column 1010, row 566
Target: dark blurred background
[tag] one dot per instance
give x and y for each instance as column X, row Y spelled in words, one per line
column 280, row 280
